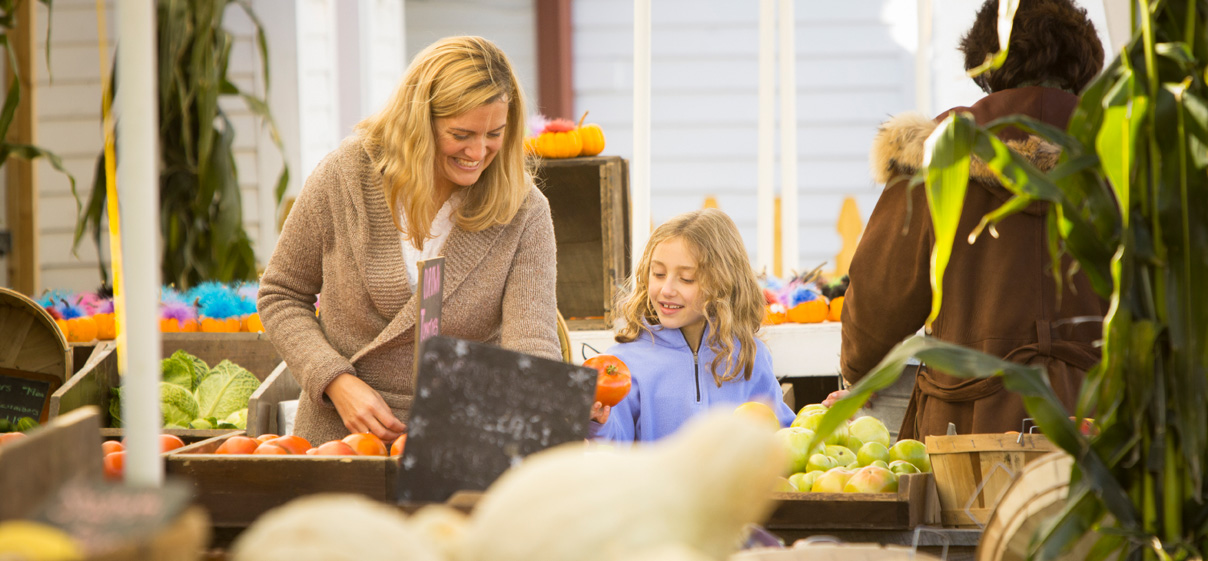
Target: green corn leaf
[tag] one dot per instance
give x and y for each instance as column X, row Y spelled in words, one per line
column 947, row 161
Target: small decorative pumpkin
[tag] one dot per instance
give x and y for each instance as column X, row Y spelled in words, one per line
column 560, row 139
column 592, row 136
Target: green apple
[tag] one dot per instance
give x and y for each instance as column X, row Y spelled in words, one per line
column 880, row 463
column 808, row 419
column 832, row 481
column 821, row 462
column 872, row 479
column 902, row 467
column 794, row 441
column 871, row 452
column 867, row 429
column 842, row 454
column 812, row 407
column 784, row 486
column 804, row 481
column 911, row 451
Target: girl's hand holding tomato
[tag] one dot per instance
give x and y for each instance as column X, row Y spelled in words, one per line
column 599, row 412
column 614, row 380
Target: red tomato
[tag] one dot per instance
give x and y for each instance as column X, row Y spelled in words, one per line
column 613, row 382
column 115, row 465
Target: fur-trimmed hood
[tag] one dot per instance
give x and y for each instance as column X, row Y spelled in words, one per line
column 898, row 150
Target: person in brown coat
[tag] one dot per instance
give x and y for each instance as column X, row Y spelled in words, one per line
column 440, row 170
column 999, row 293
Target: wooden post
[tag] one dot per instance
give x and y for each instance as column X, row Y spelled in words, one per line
column 22, row 175
column 555, row 96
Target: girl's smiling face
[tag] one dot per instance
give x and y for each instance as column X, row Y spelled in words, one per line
column 673, row 288
column 467, row 143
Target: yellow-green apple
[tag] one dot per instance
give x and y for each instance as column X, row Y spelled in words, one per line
column 871, row 452
column 832, row 481
column 872, row 479
column 911, row 451
column 794, row 441
column 821, row 462
column 784, row 486
column 881, row 463
column 812, row 407
column 842, row 454
column 866, row 429
column 804, row 481
column 902, row 467
column 808, row 419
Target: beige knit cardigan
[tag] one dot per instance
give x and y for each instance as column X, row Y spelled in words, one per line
column 340, row 241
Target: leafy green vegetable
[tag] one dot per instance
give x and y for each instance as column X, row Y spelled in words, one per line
column 24, row 424
column 201, row 424
column 236, row 420
column 115, row 407
column 184, row 370
column 226, row 390
column 179, row 407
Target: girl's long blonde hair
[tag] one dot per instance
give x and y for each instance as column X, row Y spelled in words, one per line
column 729, row 294
column 448, row 78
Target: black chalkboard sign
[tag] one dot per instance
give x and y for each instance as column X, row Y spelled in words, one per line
column 480, row 409
column 102, row 516
column 26, row 394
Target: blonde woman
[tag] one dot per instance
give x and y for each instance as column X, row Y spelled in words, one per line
column 688, row 333
column 440, row 170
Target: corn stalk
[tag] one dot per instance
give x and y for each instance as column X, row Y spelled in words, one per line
column 201, row 209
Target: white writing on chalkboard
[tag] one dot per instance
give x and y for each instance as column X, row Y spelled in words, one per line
column 21, row 396
column 30, row 392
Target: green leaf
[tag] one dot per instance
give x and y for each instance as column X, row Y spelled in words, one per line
column 178, row 405
column 947, row 162
column 225, row 390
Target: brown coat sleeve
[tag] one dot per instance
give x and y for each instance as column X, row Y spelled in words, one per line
column 889, row 296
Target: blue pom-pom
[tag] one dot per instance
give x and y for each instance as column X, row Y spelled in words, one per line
column 801, row 293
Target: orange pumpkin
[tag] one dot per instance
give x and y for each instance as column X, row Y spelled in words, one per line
column 169, row 325
column 106, row 326
column 81, row 330
column 62, row 324
column 254, row 325
column 189, row 326
column 213, row 325
column 836, row 309
column 814, row 311
column 592, row 137
column 559, row 140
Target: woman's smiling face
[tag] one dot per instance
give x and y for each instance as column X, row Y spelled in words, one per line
column 467, row 143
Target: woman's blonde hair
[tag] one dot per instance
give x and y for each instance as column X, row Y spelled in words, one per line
column 448, row 78
column 728, row 292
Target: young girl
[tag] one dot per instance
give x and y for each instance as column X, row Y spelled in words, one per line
column 688, row 333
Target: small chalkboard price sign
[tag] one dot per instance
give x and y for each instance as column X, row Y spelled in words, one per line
column 430, row 282
column 102, row 516
column 480, row 409
column 26, row 394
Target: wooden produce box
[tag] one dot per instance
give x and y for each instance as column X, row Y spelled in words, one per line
column 589, row 202
column 237, row 489
column 972, row 471
column 262, row 407
column 35, row 359
column 915, row 504
column 91, row 385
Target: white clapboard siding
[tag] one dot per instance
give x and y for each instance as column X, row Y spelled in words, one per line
column 508, row 23
column 69, row 123
column 851, row 71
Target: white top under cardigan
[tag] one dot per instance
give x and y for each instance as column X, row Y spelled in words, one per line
column 442, row 224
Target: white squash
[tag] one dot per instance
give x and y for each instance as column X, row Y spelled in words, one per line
column 698, row 488
column 333, row 527
column 442, row 525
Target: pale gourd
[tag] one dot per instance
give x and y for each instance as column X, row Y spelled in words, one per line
column 333, row 527
column 698, row 488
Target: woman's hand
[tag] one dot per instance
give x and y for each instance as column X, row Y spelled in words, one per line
column 362, row 408
column 599, row 412
column 836, row 395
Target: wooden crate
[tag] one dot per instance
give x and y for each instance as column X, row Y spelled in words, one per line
column 972, row 472
column 915, row 504
column 237, row 489
column 262, row 406
column 32, row 468
column 91, row 385
column 589, row 202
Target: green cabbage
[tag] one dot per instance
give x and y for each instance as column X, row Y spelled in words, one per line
column 178, row 406
column 226, row 390
column 236, row 420
column 184, row 370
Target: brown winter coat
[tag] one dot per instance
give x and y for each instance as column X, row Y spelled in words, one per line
column 999, row 294
column 340, row 240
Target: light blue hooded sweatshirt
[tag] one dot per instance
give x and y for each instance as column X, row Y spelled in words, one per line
column 670, row 385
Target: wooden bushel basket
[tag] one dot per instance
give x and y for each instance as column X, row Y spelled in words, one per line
column 1038, row 493
column 973, row 471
